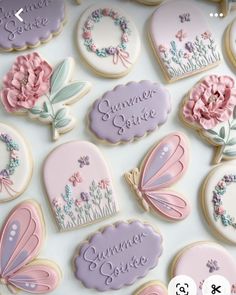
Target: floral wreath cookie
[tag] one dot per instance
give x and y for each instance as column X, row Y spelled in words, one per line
column 207, row 259
column 33, row 88
column 218, row 201
column 79, row 185
column 209, row 108
column 16, row 163
column 41, row 20
column 230, row 42
column 115, row 55
column 150, row 2
column 21, row 239
column 187, row 45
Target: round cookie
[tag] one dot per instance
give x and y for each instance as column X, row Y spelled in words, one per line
column 16, row 163
column 152, row 288
column 41, row 20
column 112, row 56
column 203, row 259
column 230, row 42
column 150, row 2
column 218, row 201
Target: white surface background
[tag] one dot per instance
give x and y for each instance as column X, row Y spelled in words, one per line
column 61, row 246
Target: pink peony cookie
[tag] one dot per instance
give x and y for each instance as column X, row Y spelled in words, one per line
column 33, row 88
column 152, row 288
column 79, row 185
column 218, row 201
column 187, row 45
column 201, row 260
column 163, row 166
column 21, row 238
column 40, row 21
column 209, row 108
column 118, row 255
column 16, row 163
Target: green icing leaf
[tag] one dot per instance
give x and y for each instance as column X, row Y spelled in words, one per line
column 218, row 140
column 62, row 123
column 222, row 132
column 232, row 141
column 59, row 75
column 47, row 106
column 68, row 92
column 60, row 114
column 229, row 153
column 44, row 115
column 35, row 111
column 212, row 132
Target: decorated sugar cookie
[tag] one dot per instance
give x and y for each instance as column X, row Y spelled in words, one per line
column 226, row 6
column 16, row 163
column 79, row 185
column 21, row 239
column 129, row 111
column 230, row 41
column 118, row 255
column 207, row 259
column 38, row 22
column 163, row 166
column 218, row 201
column 209, row 108
column 150, row 2
column 108, row 40
column 152, row 288
column 33, row 88
column 187, row 45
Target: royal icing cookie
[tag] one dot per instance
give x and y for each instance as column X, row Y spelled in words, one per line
column 163, row 166
column 40, row 21
column 187, row 45
column 206, row 259
column 152, row 288
column 209, row 108
column 218, row 201
column 33, row 88
column 16, row 163
column 129, row 111
column 118, row 255
column 226, row 6
column 21, row 238
column 230, row 42
column 79, row 185
column 150, row 2
column 108, row 40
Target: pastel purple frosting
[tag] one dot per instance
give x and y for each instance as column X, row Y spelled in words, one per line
column 118, row 256
column 41, row 18
column 130, row 111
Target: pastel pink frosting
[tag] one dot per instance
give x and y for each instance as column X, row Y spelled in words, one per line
column 210, row 102
column 26, row 82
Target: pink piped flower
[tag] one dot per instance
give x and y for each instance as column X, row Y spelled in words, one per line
column 210, row 102
column 180, row 35
column 106, row 11
column 89, row 24
column 114, row 15
column 220, row 210
column 125, row 37
column 77, row 203
column 206, row 35
column 186, row 55
column 57, row 203
column 93, row 48
column 87, row 35
column 162, row 49
column 103, row 184
column 221, row 184
column 26, row 82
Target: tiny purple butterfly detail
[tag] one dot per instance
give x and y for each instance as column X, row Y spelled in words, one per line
column 84, row 161
column 212, row 265
column 185, row 17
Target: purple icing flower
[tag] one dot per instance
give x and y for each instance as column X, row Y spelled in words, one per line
column 216, row 198
column 84, row 197
column 4, row 173
column 123, row 25
column 96, row 13
column 189, row 46
column 111, row 50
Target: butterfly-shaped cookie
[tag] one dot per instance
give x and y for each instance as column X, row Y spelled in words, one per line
column 20, row 241
column 165, row 164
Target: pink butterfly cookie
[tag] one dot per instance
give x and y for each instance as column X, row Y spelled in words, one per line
column 165, row 164
column 21, row 238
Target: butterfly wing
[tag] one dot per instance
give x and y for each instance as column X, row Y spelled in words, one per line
column 169, row 204
column 21, row 238
column 38, row 278
column 165, row 164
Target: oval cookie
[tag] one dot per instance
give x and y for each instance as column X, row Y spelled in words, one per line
column 230, row 42
column 108, row 40
column 203, row 259
column 16, row 163
column 118, row 255
column 187, row 45
column 218, row 201
column 152, row 288
column 150, row 2
column 79, row 185
column 129, row 111
column 41, row 20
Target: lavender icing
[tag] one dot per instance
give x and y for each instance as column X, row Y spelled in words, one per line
column 129, row 111
column 41, row 19
column 118, row 256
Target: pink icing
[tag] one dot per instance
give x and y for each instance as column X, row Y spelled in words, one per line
column 201, row 260
column 153, row 290
column 20, row 241
column 26, row 82
column 210, row 102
